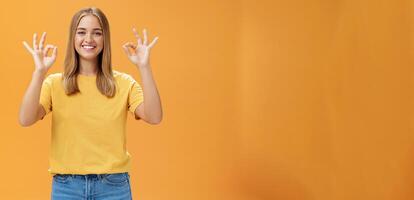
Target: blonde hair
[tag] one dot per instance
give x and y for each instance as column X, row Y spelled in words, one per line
column 105, row 81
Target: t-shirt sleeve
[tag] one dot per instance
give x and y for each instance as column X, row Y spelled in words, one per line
column 135, row 97
column 46, row 95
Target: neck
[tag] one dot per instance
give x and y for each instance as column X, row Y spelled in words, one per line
column 88, row 67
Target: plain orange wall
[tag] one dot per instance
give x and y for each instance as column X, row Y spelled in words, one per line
column 326, row 100
column 263, row 100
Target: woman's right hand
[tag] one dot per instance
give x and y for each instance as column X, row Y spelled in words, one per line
column 39, row 53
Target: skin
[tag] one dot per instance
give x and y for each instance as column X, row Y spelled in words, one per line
column 88, row 33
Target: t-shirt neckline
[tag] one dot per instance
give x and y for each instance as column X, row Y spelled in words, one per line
column 87, row 76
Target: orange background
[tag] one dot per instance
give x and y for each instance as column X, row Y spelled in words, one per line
column 263, row 100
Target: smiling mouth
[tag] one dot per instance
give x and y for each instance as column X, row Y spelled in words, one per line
column 88, row 47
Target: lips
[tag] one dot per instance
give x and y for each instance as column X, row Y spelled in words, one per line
column 88, row 47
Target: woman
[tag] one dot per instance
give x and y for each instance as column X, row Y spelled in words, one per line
column 90, row 102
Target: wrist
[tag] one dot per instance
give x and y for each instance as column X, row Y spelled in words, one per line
column 144, row 67
column 39, row 73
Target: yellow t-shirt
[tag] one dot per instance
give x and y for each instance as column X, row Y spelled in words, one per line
column 88, row 128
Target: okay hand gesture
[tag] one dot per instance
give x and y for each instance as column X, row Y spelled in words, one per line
column 140, row 51
column 39, row 53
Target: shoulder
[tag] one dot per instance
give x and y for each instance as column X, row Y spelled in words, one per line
column 123, row 77
column 55, row 75
column 53, row 78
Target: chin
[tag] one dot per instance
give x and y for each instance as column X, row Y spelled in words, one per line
column 89, row 56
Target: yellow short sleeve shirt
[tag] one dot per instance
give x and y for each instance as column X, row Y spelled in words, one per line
column 88, row 128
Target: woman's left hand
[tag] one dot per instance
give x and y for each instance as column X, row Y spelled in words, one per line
column 140, row 51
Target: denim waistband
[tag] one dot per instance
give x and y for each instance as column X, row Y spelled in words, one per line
column 89, row 176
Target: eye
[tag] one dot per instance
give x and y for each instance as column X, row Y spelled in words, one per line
column 81, row 32
column 98, row 33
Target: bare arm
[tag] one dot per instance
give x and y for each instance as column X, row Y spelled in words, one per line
column 150, row 110
column 30, row 109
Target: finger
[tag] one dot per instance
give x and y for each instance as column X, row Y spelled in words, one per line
column 54, row 53
column 125, row 47
column 28, row 47
column 137, row 36
column 46, row 50
column 139, row 41
column 135, row 32
column 42, row 41
column 131, row 45
column 145, row 37
column 154, row 41
column 34, row 41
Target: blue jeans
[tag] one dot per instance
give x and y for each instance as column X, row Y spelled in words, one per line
column 91, row 187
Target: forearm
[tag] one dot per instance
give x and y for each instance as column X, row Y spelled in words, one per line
column 152, row 102
column 30, row 104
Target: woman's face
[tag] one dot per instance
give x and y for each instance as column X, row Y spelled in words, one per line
column 89, row 38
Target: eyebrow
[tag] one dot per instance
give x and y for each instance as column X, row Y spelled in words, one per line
column 81, row 28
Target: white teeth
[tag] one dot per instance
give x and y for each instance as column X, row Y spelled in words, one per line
column 88, row 47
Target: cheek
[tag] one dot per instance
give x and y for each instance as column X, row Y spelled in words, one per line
column 77, row 41
column 100, row 43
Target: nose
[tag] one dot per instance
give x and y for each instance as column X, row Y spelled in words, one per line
column 89, row 37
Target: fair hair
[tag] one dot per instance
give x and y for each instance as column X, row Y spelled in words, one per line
column 105, row 81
